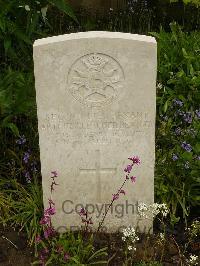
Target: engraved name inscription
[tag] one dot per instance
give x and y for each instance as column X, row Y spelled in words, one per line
column 117, row 127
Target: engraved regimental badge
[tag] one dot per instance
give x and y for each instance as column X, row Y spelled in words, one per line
column 95, row 79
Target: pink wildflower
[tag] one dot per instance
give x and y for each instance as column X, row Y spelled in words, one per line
column 115, row 196
column 66, row 257
column 50, row 211
column 135, row 160
column 54, row 173
column 122, row 191
column 128, row 168
column 83, row 212
column 45, row 220
column 43, row 256
column 133, row 179
column 52, row 186
column 45, row 250
column 38, row 239
column 49, row 232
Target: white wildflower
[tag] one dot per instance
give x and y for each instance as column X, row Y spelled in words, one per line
column 44, row 12
column 164, row 209
column 27, row 8
column 142, row 210
column 193, row 260
column 152, row 210
column 130, row 237
column 156, row 209
column 194, row 229
column 159, row 86
column 162, row 236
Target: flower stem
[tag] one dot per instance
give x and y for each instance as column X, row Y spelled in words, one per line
column 111, row 203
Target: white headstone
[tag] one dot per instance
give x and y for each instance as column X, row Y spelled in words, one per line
column 96, row 105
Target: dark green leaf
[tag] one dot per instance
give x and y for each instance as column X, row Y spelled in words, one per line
column 187, row 156
column 63, row 6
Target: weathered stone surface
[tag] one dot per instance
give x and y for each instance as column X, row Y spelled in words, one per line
column 96, row 107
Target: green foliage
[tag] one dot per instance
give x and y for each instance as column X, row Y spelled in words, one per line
column 16, row 93
column 24, row 206
column 79, row 251
column 63, row 6
column 177, row 170
column 16, row 98
column 153, row 263
column 5, row 206
column 194, row 230
column 193, row 2
column 21, row 22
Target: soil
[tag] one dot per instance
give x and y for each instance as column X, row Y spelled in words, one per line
column 14, row 250
column 147, row 250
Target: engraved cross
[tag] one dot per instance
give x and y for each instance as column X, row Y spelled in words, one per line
column 98, row 171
